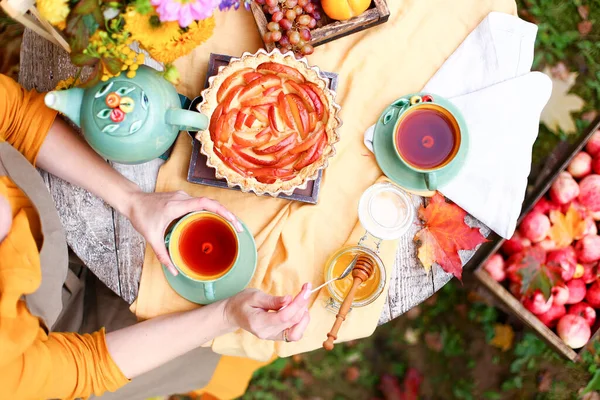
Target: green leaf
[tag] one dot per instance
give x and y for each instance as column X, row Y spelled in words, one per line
column 143, row 7
column 536, row 275
column 79, row 34
column 278, row 365
column 94, row 77
column 112, row 65
column 90, row 22
column 98, row 16
column 492, row 395
column 398, row 369
column 85, row 7
column 594, row 383
column 82, row 60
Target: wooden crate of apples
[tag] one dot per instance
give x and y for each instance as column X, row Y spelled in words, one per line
column 551, row 264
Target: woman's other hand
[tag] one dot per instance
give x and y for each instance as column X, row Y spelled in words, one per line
column 151, row 213
column 263, row 316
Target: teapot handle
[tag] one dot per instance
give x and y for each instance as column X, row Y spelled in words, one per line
column 186, row 120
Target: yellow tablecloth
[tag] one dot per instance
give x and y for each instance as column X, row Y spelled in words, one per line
column 294, row 240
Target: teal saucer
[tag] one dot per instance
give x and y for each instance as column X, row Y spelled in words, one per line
column 231, row 284
column 393, row 167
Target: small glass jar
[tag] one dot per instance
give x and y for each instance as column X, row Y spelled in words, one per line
column 386, row 212
column 368, row 291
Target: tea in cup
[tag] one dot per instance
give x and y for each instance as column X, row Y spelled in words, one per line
column 427, row 137
column 204, row 247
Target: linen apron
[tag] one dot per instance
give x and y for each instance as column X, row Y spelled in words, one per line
column 71, row 298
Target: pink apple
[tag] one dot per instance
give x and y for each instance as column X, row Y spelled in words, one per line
column 585, row 311
column 551, row 317
column 590, row 227
column 544, row 206
column 535, row 226
column 593, row 144
column 593, row 295
column 495, row 267
column 576, row 291
column 580, row 165
column 560, row 293
column 537, row 304
column 564, row 189
column 589, row 195
column 588, row 249
column 547, row 244
column 566, row 259
column 596, row 165
column 573, row 330
column 590, row 273
column 515, row 244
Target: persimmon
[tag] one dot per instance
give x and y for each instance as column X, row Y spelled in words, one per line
column 344, row 9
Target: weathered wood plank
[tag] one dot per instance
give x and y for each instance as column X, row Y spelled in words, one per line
column 87, row 219
column 409, row 283
column 130, row 244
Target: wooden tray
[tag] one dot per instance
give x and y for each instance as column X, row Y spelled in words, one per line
column 200, row 173
column 540, row 181
column 377, row 13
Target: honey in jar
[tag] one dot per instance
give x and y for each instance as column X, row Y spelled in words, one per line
column 368, row 290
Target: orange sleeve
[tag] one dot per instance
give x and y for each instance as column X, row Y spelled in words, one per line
column 33, row 364
column 24, row 118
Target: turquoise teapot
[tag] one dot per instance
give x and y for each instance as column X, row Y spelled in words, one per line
column 128, row 120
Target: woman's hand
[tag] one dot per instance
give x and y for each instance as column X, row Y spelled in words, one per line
column 263, row 316
column 151, row 213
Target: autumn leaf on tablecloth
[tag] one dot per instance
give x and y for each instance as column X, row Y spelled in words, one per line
column 444, row 234
column 566, row 227
column 503, row 337
column 557, row 113
column 535, row 274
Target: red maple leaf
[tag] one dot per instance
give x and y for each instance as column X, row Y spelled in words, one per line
column 444, row 234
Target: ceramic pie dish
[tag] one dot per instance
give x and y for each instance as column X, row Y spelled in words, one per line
column 273, row 123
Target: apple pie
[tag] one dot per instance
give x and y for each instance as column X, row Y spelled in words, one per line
column 273, row 123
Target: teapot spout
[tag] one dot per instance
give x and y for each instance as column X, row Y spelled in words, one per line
column 67, row 102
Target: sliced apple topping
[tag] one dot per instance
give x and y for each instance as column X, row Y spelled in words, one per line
column 270, row 122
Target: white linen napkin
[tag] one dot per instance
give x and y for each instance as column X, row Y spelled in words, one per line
column 488, row 79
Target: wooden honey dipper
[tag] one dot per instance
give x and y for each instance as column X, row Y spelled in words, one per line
column 362, row 271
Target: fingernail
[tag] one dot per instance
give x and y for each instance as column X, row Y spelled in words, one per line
column 307, row 292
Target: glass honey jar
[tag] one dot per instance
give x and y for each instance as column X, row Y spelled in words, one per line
column 386, row 212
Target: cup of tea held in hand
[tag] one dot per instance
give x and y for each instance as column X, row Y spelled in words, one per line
column 427, row 137
column 204, row 247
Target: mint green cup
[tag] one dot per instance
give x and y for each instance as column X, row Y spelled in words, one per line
column 204, row 289
column 426, row 102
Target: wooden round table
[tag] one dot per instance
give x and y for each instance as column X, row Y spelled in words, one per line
column 107, row 243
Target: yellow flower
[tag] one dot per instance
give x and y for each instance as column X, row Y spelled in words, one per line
column 67, row 83
column 148, row 30
column 197, row 33
column 54, row 11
